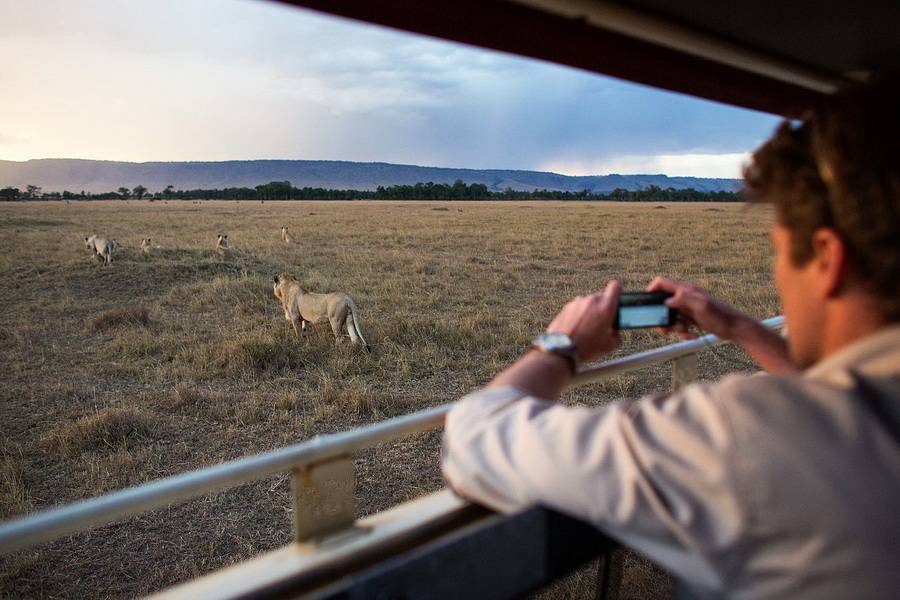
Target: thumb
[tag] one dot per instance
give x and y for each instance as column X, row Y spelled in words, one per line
column 609, row 297
column 680, row 301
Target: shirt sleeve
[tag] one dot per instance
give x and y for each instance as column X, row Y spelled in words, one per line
column 655, row 474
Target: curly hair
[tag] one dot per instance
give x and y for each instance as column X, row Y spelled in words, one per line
column 840, row 168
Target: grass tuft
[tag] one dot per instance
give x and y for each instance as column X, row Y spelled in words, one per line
column 107, row 429
column 118, row 317
column 13, row 496
column 184, row 398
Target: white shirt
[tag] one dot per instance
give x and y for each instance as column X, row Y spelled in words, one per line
column 753, row 487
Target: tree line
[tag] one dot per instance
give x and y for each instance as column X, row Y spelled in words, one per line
column 458, row 190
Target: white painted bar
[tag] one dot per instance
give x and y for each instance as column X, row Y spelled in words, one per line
column 390, row 526
column 80, row 516
column 636, row 361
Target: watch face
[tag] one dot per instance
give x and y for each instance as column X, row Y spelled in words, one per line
column 556, row 341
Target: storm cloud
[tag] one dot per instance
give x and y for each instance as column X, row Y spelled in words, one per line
column 241, row 79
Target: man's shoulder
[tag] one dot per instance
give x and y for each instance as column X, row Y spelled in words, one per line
column 788, row 406
column 763, row 390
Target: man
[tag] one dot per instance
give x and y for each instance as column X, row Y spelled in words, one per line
column 778, row 485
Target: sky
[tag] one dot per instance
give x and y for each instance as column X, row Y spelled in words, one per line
column 144, row 80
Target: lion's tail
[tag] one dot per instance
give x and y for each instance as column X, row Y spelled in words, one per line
column 356, row 325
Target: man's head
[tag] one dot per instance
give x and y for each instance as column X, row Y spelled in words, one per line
column 834, row 180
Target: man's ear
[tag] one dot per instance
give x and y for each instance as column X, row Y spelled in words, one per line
column 832, row 261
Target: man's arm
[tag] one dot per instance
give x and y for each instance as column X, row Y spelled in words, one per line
column 589, row 320
column 697, row 307
column 658, row 474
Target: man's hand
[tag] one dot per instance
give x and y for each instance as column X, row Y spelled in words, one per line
column 589, row 322
column 697, row 307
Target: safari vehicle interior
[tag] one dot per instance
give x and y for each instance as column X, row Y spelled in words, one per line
column 775, row 57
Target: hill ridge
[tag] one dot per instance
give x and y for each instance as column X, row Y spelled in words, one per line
column 76, row 174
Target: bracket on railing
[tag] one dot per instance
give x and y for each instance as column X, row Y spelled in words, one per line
column 684, row 370
column 323, row 498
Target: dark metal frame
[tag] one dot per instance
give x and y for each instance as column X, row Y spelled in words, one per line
column 522, row 30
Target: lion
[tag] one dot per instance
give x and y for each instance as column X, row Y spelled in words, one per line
column 147, row 247
column 101, row 248
column 302, row 307
column 222, row 247
column 288, row 239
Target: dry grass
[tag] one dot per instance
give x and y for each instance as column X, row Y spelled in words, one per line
column 118, row 317
column 446, row 298
column 105, row 430
column 13, row 495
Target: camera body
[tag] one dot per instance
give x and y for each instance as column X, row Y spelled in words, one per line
column 644, row 309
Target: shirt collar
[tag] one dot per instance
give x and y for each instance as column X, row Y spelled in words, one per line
column 877, row 354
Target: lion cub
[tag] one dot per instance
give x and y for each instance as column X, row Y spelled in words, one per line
column 302, row 307
column 147, row 247
column 101, row 248
column 288, row 239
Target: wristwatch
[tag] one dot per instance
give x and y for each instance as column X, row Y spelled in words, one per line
column 559, row 344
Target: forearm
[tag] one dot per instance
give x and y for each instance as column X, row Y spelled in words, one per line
column 767, row 348
column 538, row 374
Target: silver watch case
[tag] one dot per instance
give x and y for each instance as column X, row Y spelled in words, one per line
column 559, row 344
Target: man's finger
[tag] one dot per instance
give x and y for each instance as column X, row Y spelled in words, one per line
column 662, row 283
column 608, row 299
column 613, row 289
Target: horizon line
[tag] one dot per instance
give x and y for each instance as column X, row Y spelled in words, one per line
column 362, row 162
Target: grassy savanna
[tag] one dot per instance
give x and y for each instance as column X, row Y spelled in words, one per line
column 117, row 375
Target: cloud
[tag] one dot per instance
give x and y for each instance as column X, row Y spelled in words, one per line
column 235, row 79
column 690, row 165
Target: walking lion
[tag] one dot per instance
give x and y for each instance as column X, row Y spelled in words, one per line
column 302, row 307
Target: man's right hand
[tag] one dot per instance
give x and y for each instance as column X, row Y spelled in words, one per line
column 697, row 307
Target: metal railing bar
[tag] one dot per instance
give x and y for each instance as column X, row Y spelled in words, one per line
column 86, row 514
column 662, row 354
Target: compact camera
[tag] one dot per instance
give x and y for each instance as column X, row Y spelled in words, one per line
column 644, row 309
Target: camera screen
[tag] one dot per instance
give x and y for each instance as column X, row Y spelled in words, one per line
column 654, row 315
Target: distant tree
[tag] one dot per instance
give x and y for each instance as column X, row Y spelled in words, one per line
column 124, row 192
column 10, row 193
column 32, row 191
column 168, row 192
column 139, row 191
